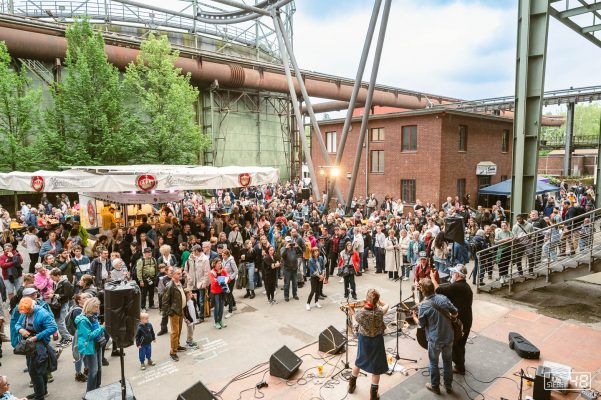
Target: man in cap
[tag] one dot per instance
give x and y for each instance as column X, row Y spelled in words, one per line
column 423, row 270
column 291, row 253
column 460, row 294
column 12, row 271
column 146, row 272
column 37, row 324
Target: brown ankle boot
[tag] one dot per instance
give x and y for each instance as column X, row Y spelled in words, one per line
column 352, row 384
column 373, row 393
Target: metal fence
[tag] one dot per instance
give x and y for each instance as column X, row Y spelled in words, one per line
column 540, row 254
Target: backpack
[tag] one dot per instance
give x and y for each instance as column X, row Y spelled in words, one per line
column 70, row 321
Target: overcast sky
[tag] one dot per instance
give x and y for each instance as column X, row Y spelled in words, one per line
column 458, row 48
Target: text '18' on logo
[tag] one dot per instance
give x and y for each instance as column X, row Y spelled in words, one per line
column 37, row 183
column 146, row 182
column 244, row 179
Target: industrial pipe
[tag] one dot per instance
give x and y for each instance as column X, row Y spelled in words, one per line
column 33, row 43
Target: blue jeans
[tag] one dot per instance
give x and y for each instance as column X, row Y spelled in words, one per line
column 219, row 305
column 93, row 362
column 200, row 301
column 290, row 276
column 250, row 271
column 145, row 353
column 434, row 351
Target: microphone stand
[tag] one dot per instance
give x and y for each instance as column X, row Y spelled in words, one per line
column 397, row 357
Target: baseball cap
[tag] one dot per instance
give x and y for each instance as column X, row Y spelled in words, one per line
column 460, row 269
column 29, row 291
column 8, row 246
column 25, row 305
column 422, row 254
column 288, row 239
column 147, row 250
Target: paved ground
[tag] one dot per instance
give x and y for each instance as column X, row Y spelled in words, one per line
column 258, row 329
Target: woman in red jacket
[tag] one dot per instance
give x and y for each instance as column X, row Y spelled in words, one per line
column 219, row 289
column 348, row 267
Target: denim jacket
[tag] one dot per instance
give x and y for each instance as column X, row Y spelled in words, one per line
column 439, row 328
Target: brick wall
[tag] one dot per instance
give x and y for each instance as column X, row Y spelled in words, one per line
column 553, row 164
column 436, row 165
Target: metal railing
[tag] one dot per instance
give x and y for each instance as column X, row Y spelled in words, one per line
column 113, row 11
column 541, row 253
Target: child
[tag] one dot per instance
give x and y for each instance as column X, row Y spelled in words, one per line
column 144, row 337
column 190, row 318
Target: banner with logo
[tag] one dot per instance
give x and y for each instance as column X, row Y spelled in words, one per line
column 89, row 211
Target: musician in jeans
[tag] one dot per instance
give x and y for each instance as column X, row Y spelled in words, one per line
column 460, row 294
column 439, row 333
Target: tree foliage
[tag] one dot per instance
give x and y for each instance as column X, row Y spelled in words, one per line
column 19, row 116
column 164, row 111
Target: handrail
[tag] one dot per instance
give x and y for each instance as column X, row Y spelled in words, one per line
column 542, row 252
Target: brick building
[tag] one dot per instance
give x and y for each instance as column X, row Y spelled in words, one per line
column 424, row 154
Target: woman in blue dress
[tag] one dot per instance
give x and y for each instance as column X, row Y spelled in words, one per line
column 371, row 352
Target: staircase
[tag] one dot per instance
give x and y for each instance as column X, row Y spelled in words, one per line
column 555, row 254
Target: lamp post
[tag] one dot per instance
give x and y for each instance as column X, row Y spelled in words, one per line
column 329, row 172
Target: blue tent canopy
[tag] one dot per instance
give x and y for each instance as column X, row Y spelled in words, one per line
column 504, row 188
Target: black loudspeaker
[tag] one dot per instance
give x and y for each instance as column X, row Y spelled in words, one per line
column 198, row 391
column 454, row 229
column 111, row 392
column 305, row 193
column 331, row 341
column 523, row 347
column 122, row 311
column 539, row 389
column 284, row 363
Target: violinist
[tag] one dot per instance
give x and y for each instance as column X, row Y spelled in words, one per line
column 371, row 352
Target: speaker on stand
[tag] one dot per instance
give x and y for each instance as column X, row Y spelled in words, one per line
column 121, row 317
column 454, row 232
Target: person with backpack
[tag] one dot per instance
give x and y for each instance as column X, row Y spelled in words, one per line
column 59, row 304
column 146, row 271
column 74, row 312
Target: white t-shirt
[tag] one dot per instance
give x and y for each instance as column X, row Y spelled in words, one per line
column 31, row 243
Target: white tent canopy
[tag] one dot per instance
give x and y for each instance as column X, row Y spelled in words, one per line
column 137, row 178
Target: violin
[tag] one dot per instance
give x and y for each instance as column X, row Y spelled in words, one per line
column 357, row 304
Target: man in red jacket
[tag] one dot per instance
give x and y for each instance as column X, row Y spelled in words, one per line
column 12, row 272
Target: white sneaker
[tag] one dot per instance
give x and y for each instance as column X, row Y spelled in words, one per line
column 228, row 315
column 308, row 307
column 264, row 292
column 317, row 305
column 405, row 278
column 341, row 280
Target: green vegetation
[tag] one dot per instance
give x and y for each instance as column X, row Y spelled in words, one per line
column 96, row 118
column 586, row 126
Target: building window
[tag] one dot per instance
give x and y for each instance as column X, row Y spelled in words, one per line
column 377, row 161
column 505, row 141
column 377, row 134
column 483, row 181
column 409, row 138
column 331, row 142
column 408, row 190
column 461, row 188
column 462, row 137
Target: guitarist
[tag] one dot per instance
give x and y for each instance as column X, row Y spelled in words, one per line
column 434, row 317
column 460, row 294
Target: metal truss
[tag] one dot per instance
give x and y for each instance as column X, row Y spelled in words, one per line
column 582, row 16
column 209, row 18
column 507, row 103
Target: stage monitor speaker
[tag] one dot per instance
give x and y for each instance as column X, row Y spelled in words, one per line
column 305, row 193
column 331, row 341
column 111, row 392
column 454, row 229
column 122, row 311
column 284, row 363
column 198, row 391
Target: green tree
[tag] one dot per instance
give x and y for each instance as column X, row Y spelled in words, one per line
column 164, row 105
column 19, row 116
column 89, row 118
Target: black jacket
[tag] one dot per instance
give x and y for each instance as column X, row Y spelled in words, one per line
column 145, row 334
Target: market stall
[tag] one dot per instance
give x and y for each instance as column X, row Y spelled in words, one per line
column 133, row 187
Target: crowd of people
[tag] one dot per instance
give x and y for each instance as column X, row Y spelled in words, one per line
column 191, row 258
